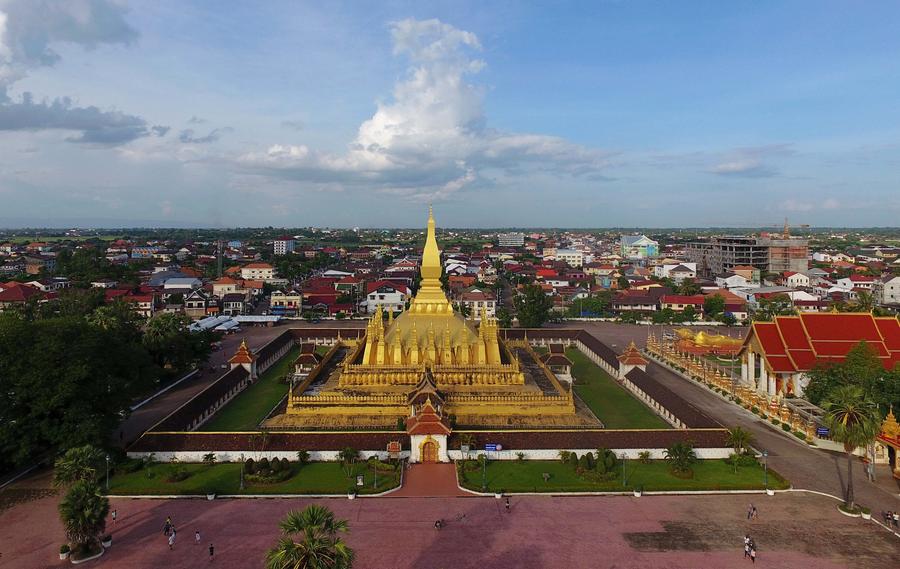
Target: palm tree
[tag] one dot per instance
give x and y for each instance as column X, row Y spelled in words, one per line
column 854, row 420
column 348, row 456
column 83, row 513
column 79, row 463
column 680, row 457
column 739, row 439
column 319, row 546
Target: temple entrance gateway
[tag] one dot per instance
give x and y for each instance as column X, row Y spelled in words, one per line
column 429, row 452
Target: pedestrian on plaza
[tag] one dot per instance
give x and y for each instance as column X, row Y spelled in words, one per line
column 755, row 513
column 750, row 511
column 171, row 541
column 746, row 549
column 197, row 537
column 507, row 504
column 896, row 519
column 115, row 514
column 753, row 554
column 211, row 551
column 167, row 528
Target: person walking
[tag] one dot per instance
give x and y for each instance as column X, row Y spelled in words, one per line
column 755, row 512
column 197, row 537
column 171, row 541
column 212, row 550
column 746, row 546
column 115, row 514
column 896, row 519
column 750, row 511
column 507, row 504
column 167, row 528
column 753, row 555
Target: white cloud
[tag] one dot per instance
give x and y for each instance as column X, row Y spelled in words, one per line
column 751, row 162
column 430, row 140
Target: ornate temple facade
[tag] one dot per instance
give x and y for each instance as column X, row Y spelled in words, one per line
column 431, row 360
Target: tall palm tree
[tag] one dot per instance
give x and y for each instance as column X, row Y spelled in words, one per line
column 319, row 546
column 854, row 420
column 83, row 513
column 78, row 463
column 739, row 439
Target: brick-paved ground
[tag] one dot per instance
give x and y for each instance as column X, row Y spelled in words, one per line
column 429, row 480
column 793, row 531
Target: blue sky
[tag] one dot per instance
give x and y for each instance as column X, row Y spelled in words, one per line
column 592, row 114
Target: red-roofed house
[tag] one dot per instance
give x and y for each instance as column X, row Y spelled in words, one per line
column 679, row 302
column 15, row 294
column 387, row 294
column 776, row 356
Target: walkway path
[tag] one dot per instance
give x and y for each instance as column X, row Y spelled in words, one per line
column 793, row 530
column 429, row 480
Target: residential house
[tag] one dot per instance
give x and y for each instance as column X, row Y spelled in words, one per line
column 679, row 303
column 388, row 295
column 258, row 271
column 144, row 304
column 234, row 304
column 638, row 247
column 34, row 264
column 285, row 303
column 477, row 301
column 886, row 290
column 199, row 304
column 16, row 294
column 855, row 281
column 283, row 245
column 795, row 280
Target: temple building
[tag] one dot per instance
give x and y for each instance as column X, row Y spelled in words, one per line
column 776, row 356
column 431, row 370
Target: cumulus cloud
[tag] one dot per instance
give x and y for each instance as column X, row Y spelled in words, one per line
column 28, row 31
column 93, row 125
column 431, row 139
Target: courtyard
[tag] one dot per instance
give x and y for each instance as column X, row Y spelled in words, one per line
column 537, row 532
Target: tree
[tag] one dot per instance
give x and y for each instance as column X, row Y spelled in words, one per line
column 79, row 463
column 302, row 457
column 172, row 345
column 83, row 513
column 688, row 287
column 854, row 421
column 504, row 319
column 533, row 307
column 689, row 314
column 861, row 367
column 66, row 383
column 680, row 457
column 348, row 457
column 319, row 546
column 768, row 308
column 713, row 305
column 739, row 439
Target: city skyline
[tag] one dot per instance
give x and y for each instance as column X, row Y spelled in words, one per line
column 514, row 115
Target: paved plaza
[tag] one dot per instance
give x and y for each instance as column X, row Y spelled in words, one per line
column 794, row 530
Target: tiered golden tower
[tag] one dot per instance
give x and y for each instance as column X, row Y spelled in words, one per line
column 476, row 377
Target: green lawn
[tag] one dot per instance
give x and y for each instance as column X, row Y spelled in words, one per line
column 224, row 478
column 244, row 412
column 526, row 476
column 612, row 404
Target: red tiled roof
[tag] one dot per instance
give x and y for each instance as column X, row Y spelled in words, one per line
column 798, row 343
column 258, row 266
column 681, row 299
column 17, row 292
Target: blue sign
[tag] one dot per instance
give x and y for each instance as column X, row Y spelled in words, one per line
column 822, row 431
column 493, row 447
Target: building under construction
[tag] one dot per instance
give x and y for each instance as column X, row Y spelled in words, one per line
column 768, row 253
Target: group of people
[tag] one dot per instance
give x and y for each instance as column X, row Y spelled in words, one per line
column 752, row 512
column 749, row 548
column 891, row 519
column 170, row 531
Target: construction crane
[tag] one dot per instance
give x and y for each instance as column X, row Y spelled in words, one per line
column 786, row 228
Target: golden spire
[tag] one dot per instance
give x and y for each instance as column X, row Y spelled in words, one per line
column 431, row 298
column 889, row 426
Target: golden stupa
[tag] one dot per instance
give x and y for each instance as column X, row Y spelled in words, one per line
column 469, row 372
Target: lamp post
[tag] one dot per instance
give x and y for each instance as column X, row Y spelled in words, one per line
column 242, row 472
column 484, row 473
column 107, row 473
column 766, row 468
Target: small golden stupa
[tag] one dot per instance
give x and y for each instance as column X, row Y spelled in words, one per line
column 468, row 372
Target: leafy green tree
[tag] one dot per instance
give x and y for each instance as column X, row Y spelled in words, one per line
column 118, row 317
column 504, row 318
column 348, row 457
column 681, row 457
column 533, row 307
column 302, row 457
column 739, row 439
column 864, row 302
column 66, row 383
column 689, row 314
column 854, row 421
column 318, row 546
column 83, row 513
column 714, row 306
column 79, row 463
column 768, row 308
column 688, row 287
column 861, row 367
column 172, row 345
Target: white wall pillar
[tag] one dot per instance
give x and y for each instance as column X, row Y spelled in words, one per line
column 771, row 383
column 763, row 383
column 798, row 389
column 745, row 375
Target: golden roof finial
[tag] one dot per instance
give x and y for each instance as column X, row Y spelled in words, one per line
column 889, row 426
